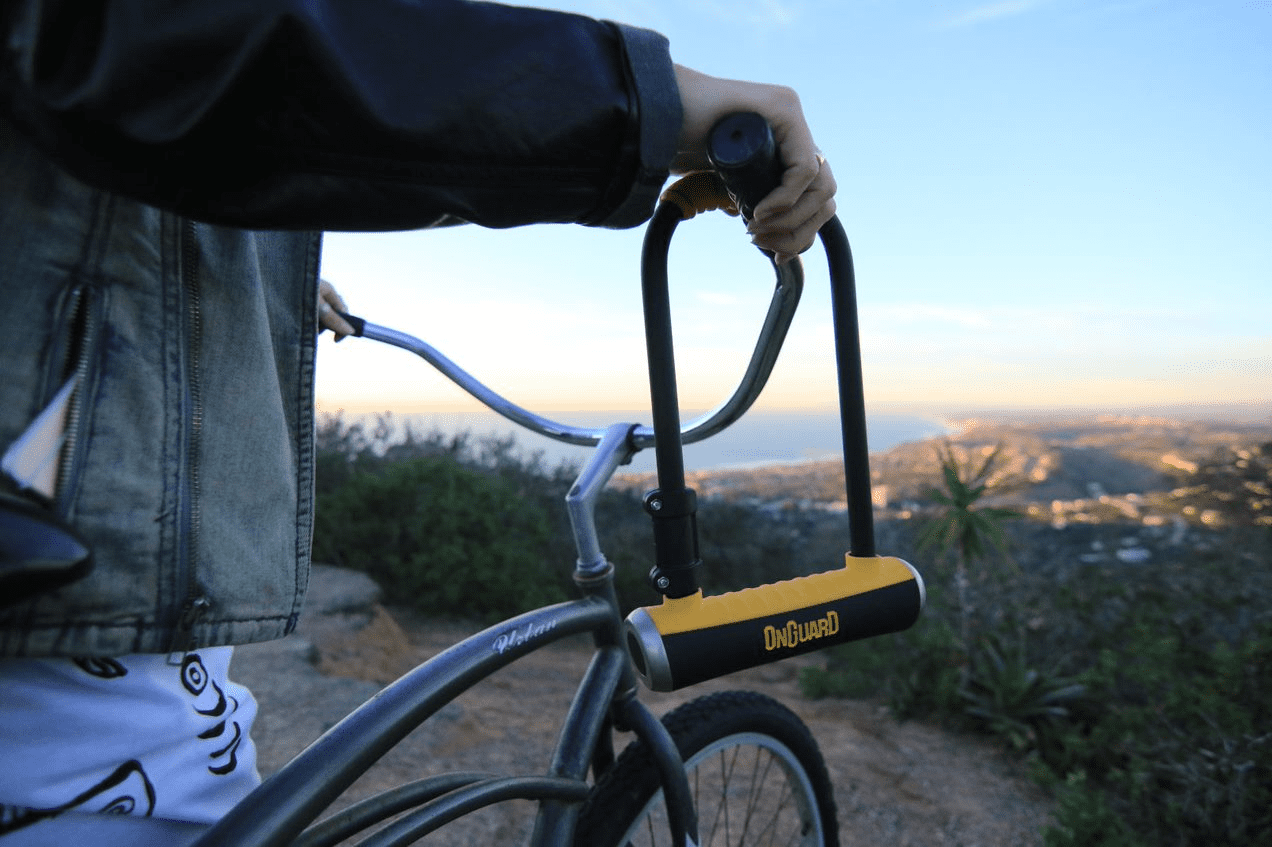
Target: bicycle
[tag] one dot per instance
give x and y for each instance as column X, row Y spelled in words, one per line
column 731, row 768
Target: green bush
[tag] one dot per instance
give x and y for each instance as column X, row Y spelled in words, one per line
column 1010, row 698
column 1183, row 742
column 917, row 671
column 442, row 537
column 1143, row 696
column 1084, row 818
column 438, row 519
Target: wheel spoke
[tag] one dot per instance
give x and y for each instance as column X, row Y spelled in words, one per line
column 755, row 775
column 758, row 781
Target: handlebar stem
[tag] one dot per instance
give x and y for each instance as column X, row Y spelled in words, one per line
column 616, row 449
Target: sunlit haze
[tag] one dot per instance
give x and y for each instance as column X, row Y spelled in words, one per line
column 1052, row 203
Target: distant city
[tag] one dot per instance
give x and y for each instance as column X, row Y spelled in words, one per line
column 770, row 438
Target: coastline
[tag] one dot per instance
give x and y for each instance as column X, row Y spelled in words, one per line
column 760, row 438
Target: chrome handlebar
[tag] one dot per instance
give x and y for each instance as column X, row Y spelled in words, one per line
column 781, row 310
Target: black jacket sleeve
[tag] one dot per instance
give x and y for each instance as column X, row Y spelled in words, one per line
column 346, row 114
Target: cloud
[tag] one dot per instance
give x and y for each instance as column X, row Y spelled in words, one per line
column 992, row 12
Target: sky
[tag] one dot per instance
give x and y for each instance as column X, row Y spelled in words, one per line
column 1053, row 204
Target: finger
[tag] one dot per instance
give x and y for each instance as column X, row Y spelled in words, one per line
column 800, row 157
column 328, row 294
column 799, row 232
column 330, row 303
column 810, row 174
column 813, row 208
column 794, row 230
column 787, row 243
column 329, row 318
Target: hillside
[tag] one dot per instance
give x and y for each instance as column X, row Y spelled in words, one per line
column 1121, row 644
column 1139, row 468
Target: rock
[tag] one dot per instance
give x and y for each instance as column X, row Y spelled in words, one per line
column 374, row 649
column 335, row 590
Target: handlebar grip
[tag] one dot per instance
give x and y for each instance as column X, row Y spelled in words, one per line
column 702, row 191
column 692, row 639
column 742, row 150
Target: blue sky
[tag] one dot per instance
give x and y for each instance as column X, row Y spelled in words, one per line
column 1052, row 204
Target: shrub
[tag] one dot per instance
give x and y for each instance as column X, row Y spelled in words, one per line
column 1008, row 697
column 1084, row 818
column 441, row 536
column 1169, row 740
column 436, row 519
column 917, row 671
column 1182, row 743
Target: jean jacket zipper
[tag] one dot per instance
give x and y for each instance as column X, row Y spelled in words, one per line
column 194, row 605
column 79, row 361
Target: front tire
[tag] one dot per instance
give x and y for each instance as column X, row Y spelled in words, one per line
column 754, row 769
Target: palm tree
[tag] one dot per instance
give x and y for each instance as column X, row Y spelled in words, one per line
column 963, row 529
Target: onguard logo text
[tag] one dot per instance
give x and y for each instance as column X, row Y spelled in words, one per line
column 796, row 633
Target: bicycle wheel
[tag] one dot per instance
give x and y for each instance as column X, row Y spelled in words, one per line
column 754, row 769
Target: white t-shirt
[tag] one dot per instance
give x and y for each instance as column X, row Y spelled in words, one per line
column 152, row 735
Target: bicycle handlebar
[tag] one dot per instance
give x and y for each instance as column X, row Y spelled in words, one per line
column 781, row 310
column 743, row 154
column 690, row 637
column 742, row 150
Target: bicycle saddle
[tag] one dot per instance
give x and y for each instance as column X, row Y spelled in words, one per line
column 37, row 551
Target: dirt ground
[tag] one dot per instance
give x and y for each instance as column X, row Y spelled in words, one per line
column 895, row 783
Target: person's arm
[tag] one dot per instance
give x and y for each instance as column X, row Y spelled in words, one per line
column 384, row 114
column 324, row 114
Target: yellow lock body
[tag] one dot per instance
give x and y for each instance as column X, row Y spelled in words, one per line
column 692, row 639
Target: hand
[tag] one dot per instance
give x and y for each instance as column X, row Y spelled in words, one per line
column 786, row 221
column 329, row 301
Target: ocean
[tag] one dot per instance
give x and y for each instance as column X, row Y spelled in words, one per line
column 759, row 438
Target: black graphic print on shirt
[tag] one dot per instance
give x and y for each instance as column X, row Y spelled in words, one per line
column 126, row 791
column 101, row 667
column 226, row 733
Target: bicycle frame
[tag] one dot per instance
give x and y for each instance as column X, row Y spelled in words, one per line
column 278, row 811
column 275, row 814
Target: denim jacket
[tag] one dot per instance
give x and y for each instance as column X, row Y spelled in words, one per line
column 164, row 246
column 188, row 457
